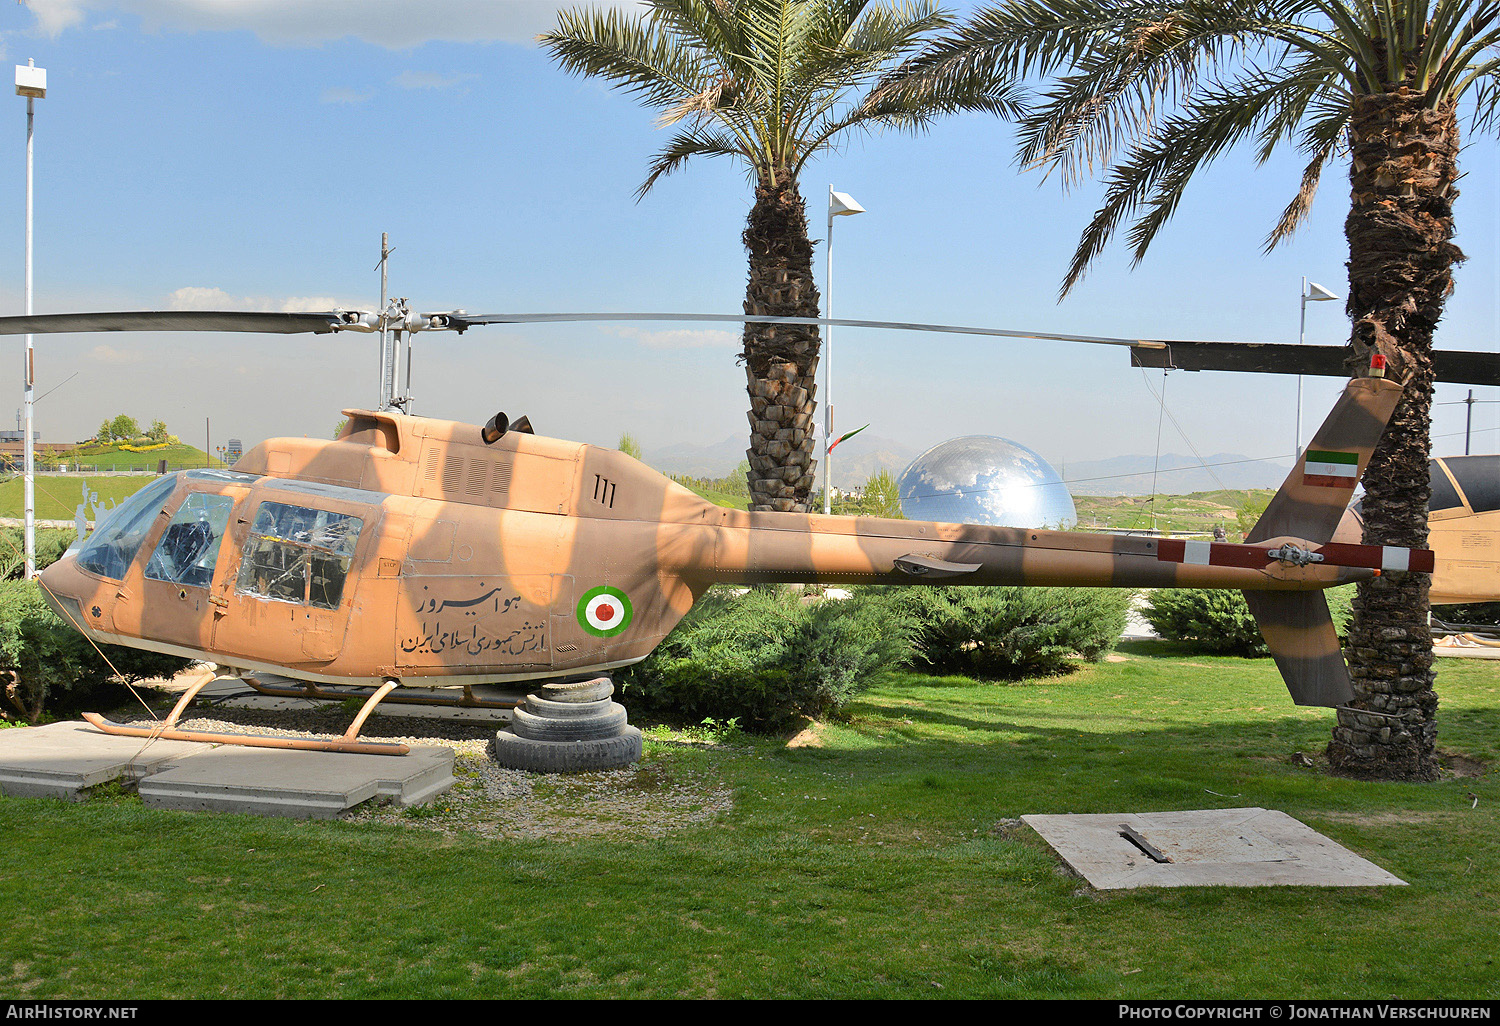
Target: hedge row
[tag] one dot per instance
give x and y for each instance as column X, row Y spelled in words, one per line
column 1220, row 621
column 767, row 656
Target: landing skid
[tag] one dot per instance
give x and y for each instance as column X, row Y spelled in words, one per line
column 287, row 687
column 250, row 740
column 348, row 744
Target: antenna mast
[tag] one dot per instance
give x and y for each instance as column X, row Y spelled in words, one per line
column 387, row 370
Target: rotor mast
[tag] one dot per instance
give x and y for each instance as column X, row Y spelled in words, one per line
column 387, row 358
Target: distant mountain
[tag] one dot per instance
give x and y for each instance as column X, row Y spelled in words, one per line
column 864, row 454
column 698, row 460
column 1175, row 474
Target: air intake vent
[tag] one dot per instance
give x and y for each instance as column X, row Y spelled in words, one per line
column 477, row 471
column 453, row 473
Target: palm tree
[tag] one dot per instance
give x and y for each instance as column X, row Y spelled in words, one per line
column 769, row 83
column 1150, row 91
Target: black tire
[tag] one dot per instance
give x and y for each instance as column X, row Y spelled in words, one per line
column 522, row 753
column 595, row 689
column 568, row 710
column 608, row 723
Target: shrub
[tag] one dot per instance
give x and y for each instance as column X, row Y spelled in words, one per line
column 765, row 657
column 43, row 659
column 1012, row 632
column 51, row 543
column 1220, row 621
column 1478, row 614
column 1206, row 620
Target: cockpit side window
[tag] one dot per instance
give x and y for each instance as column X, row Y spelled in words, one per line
column 115, row 541
column 189, row 547
column 296, row 554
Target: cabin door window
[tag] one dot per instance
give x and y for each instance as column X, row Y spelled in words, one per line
column 296, row 554
column 189, row 547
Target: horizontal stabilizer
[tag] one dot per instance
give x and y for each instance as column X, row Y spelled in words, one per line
column 928, row 566
column 1255, row 557
column 1300, row 633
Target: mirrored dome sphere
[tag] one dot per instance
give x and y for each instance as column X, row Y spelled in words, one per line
column 980, row 479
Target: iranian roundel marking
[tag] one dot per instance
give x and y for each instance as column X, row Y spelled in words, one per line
column 604, row 611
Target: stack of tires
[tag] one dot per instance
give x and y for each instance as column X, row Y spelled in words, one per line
column 569, row 727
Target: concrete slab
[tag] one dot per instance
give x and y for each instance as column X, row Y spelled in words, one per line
column 1218, row 847
column 61, row 760
column 299, row 785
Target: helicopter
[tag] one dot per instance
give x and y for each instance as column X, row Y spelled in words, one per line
column 421, row 553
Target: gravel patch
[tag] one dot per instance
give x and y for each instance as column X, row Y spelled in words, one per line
column 653, row 798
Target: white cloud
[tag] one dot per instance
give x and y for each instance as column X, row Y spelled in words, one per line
column 343, row 94
column 56, row 16
column 196, row 297
column 394, row 24
column 680, row 338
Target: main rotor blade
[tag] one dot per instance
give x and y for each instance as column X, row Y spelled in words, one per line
column 177, row 320
column 1449, row 366
column 1182, row 354
column 462, row 322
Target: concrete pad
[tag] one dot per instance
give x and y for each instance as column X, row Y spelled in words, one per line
column 1217, row 847
column 60, row 760
column 299, row 785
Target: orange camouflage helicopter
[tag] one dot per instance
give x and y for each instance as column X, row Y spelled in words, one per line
column 419, row 553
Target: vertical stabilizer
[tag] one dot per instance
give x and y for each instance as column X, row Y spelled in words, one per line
column 1313, row 498
column 1300, row 633
column 1296, row 624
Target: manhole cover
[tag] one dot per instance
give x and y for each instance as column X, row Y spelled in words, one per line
column 1218, row 847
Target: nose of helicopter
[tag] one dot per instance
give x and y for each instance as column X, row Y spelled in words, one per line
column 62, row 585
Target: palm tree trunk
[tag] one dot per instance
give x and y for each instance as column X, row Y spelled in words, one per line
column 1400, row 274
column 781, row 360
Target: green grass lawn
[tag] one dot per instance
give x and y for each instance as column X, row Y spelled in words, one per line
column 884, row 861
column 57, row 496
column 106, row 457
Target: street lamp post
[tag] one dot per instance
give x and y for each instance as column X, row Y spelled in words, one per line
column 1311, row 291
column 839, row 204
column 31, row 82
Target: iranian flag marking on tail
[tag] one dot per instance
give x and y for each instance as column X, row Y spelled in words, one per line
column 1328, row 469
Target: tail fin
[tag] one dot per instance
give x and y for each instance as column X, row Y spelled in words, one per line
column 1300, row 634
column 1313, row 498
column 1296, row 625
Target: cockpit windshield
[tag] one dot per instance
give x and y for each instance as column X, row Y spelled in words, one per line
column 115, row 541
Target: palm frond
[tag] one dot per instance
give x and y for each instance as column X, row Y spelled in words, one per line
column 1301, row 205
column 631, row 53
column 1155, row 174
column 684, row 146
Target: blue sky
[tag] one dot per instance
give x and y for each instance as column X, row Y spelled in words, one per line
column 249, row 154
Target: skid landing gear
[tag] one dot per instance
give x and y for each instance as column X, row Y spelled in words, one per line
column 287, row 687
column 569, row 727
column 348, row 744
